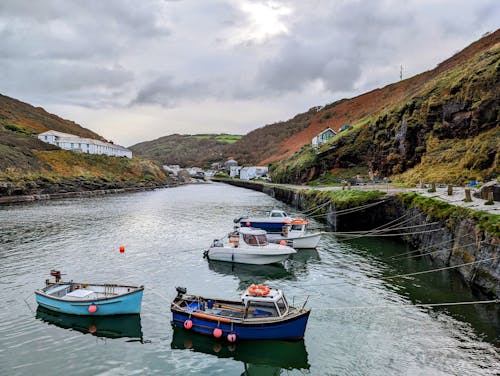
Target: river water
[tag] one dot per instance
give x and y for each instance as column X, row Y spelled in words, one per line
column 164, row 232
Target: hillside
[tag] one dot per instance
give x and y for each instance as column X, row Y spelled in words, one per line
column 260, row 143
column 30, row 166
column 441, row 125
column 186, row 150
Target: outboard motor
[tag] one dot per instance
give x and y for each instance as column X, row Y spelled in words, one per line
column 180, row 291
column 56, row 274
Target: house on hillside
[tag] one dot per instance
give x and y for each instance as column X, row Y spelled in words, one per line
column 234, row 171
column 75, row 143
column 345, row 127
column 253, row 172
column 229, row 163
column 323, row 137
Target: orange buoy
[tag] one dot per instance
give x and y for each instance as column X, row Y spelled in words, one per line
column 92, row 308
column 283, row 242
column 248, row 224
column 188, row 324
column 122, row 248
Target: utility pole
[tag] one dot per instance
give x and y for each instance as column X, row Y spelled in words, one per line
column 401, row 73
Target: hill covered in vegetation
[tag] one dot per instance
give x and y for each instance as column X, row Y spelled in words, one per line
column 441, row 125
column 30, row 166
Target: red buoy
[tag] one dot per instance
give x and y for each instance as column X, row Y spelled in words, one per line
column 248, row 224
column 188, row 324
column 231, row 337
column 122, row 248
column 283, row 242
column 92, row 308
column 217, row 332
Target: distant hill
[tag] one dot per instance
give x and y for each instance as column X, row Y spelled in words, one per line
column 186, row 150
column 201, row 150
column 30, row 166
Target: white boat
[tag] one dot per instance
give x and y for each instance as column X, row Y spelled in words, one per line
column 295, row 235
column 273, row 222
column 247, row 245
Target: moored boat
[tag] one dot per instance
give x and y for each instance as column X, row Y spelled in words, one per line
column 262, row 313
column 89, row 299
column 273, row 222
column 247, row 245
column 295, row 235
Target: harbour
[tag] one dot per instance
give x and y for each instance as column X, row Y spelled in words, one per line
column 360, row 321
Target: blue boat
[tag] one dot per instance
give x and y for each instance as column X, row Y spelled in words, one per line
column 272, row 223
column 89, row 299
column 262, row 313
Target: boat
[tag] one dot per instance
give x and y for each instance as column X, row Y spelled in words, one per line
column 295, row 235
column 247, row 245
column 262, row 313
column 121, row 326
column 273, row 222
column 89, row 299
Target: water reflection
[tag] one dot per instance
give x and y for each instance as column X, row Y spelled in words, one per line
column 259, row 357
column 104, row 326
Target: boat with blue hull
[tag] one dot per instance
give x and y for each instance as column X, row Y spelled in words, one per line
column 89, row 299
column 262, row 313
column 273, row 222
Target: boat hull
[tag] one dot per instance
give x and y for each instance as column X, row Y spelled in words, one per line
column 306, row 241
column 288, row 329
column 120, row 305
column 241, row 256
column 264, row 225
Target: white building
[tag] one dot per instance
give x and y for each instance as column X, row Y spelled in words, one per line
column 323, row 137
column 252, row 172
column 234, row 171
column 75, row 143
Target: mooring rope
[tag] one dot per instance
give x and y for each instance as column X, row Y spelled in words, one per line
column 429, row 253
column 423, row 305
column 314, row 210
column 375, row 231
column 381, row 235
column 350, row 210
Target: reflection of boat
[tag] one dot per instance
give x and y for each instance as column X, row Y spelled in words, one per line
column 110, row 327
column 89, row 299
column 248, row 246
column 295, row 235
column 262, row 313
column 272, row 353
column 251, row 273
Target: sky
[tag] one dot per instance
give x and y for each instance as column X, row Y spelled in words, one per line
column 134, row 71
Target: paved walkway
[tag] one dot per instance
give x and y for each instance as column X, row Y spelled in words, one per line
column 440, row 194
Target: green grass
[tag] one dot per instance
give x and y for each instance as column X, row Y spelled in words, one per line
column 226, row 138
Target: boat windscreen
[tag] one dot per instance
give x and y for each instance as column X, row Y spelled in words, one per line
column 255, row 239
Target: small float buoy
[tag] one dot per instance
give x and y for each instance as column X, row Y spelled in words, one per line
column 231, row 337
column 122, row 248
column 188, row 324
column 248, row 224
column 92, row 308
column 92, row 329
column 283, row 242
column 217, row 332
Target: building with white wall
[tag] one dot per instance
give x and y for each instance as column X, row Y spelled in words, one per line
column 75, row 143
column 323, row 137
column 252, row 172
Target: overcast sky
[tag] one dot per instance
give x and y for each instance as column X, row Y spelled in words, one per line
column 138, row 70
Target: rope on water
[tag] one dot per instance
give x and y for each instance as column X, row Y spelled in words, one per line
column 429, row 305
column 439, row 269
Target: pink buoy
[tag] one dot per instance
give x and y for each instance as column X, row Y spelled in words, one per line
column 92, row 308
column 217, row 332
column 231, row 337
column 188, row 324
column 283, row 242
column 248, row 224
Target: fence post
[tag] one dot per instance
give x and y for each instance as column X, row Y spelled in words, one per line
column 468, row 197
column 450, row 190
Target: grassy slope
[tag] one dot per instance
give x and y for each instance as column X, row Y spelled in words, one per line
column 29, row 165
column 440, row 124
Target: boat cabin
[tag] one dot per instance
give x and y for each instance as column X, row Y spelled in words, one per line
column 296, row 226
column 278, row 214
column 252, row 236
column 272, row 304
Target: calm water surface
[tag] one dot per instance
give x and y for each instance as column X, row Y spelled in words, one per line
column 164, row 232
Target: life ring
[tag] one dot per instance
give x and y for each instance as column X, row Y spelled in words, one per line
column 259, row 290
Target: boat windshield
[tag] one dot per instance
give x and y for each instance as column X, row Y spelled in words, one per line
column 255, row 239
column 297, row 227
